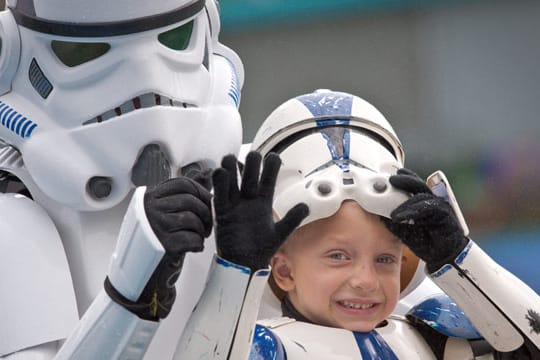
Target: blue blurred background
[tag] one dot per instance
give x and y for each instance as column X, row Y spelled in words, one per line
column 459, row 81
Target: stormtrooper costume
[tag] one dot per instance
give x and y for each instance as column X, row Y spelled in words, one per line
column 97, row 101
column 353, row 154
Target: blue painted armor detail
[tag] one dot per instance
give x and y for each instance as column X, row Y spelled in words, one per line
column 266, row 346
column 464, row 253
column 373, row 347
column 226, row 263
column 443, row 315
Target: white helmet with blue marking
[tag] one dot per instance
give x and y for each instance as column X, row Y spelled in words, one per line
column 109, row 95
column 335, row 146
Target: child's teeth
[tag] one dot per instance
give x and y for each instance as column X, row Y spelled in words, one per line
column 356, row 306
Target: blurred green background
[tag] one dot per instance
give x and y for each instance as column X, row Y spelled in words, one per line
column 459, row 81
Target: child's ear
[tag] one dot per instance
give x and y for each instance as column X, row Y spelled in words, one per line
column 281, row 271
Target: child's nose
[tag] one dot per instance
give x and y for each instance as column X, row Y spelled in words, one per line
column 364, row 276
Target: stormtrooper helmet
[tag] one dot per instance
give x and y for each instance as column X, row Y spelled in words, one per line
column 335, row 146
column 100, row 97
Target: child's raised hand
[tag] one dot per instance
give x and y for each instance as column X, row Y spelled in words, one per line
column 426, row 223
column 246, row 233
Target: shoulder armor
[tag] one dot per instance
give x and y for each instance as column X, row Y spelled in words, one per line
column 301, row 340
column 444, row 316
column 36, row 283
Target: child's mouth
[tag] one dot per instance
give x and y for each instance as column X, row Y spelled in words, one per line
column 356, row 306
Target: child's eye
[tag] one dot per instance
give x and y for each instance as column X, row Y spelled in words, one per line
column 385, row 259
column 338, row 256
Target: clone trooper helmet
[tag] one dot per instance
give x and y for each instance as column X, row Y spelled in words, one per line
column 102, row 96
column 334, row 146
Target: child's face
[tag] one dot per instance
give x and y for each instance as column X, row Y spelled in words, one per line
column 342, row 271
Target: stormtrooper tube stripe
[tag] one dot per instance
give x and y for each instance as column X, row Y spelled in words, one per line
column 30, row 130
column 20, row 125
column 6, row 115
column 3, row 109
column 10, row 118
column 234, row 91
column 15, row 121
column 107, row 29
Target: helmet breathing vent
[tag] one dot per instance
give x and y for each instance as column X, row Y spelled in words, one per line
column 151, row 168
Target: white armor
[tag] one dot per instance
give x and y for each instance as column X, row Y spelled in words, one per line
column 490, row 309
column 96, row 99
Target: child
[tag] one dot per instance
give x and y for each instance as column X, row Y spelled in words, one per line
column 339, row 158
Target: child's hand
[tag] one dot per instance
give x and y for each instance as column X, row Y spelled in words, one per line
column 426, row 223
column 245, row 230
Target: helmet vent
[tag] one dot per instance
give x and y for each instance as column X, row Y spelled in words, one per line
column 324, row 189
column 38, row 80
column 144, row 101
column 380, row 186
column 152, row 167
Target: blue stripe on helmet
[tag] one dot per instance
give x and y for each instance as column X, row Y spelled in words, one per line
column 335, row 104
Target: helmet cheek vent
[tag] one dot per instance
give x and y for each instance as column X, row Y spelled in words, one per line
column 380, row 186
column 324, row 189
column 38, row 80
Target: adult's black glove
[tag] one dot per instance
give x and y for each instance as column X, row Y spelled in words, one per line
column 179, row 212
column 425, row 222
column 246, row 233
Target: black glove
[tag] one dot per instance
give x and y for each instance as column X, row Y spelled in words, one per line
column 245, row 230
column 179, row 212
column 426, row 223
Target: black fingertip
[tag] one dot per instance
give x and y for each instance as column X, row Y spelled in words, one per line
column 269, row 175
column 298, row 213
column 292, row 220
column 195, row 249
column 253, row 156
column 229, row 163
column 303, row 210
column 272, row 158
column 250, row 177
column 252, row 164
column 272, row 163
column 409, row 183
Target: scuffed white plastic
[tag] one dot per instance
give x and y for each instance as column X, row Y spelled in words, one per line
column 496, row 301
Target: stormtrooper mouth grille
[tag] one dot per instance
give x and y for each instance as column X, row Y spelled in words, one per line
column 140, row 102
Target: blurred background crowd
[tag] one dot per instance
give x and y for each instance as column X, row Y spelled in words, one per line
column 458, row 79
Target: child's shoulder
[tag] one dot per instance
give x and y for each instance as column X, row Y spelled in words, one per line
column 394, row 338
column 301, row 340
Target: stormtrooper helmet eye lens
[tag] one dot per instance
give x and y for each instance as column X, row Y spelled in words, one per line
column 177, row 38
column 77, row 53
